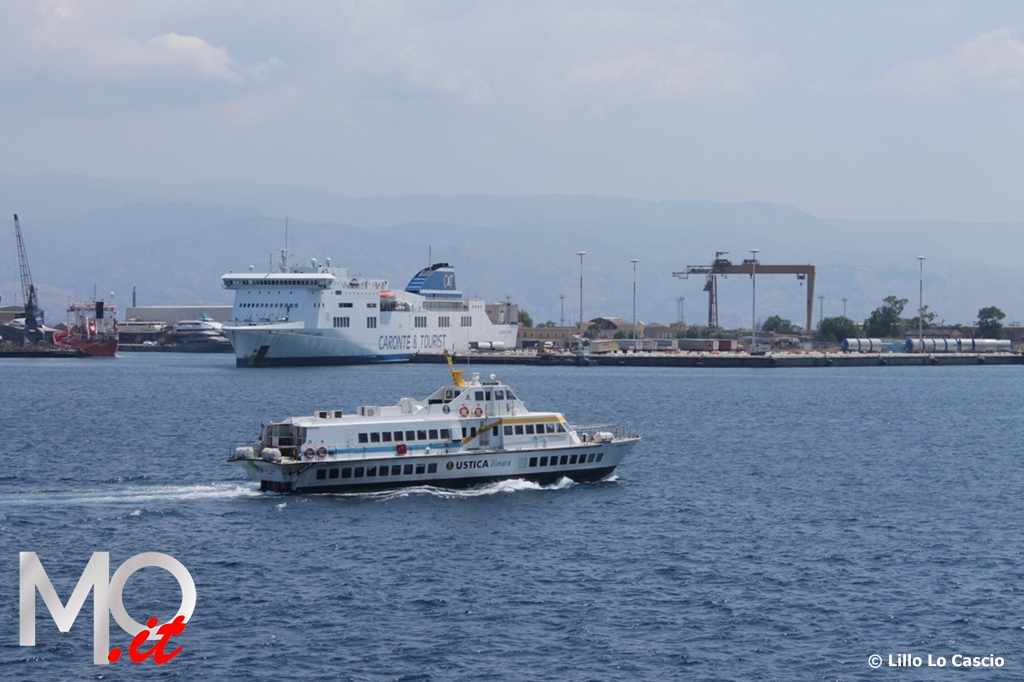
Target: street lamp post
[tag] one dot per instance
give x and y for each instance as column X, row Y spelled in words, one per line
column 844, row 307
column 821, row 310
column 920, row 304
column 753, row 298
column 634, row 261
column 681, row 311
column 579, row 344
column 561, row 320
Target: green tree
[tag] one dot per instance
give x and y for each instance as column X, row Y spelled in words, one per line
column 525, row 319
column 778, row 325
column 885, row 320
column 929, row 318
column 693, row 332
column 989, row 325
column 838, row 328
column 549, row 323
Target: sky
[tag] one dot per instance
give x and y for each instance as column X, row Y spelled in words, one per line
column 879, row 110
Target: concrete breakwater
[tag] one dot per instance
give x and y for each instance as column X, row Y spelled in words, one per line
column 769, row 360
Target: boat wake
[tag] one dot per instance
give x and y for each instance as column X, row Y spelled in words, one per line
column 513, row 485
column 132, row 495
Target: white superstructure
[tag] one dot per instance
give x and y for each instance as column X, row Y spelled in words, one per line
column 321, row 315
column 459, row 436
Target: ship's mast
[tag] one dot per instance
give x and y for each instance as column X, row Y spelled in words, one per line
column 284, row 252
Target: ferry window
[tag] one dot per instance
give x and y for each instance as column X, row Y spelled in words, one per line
column 371, row 471
column 600, row 456
column 371, row 305
column 467, row 321
column 543, row 461
column 478, row 395
column 344, row 305
column 508, row 430
column 590, row 459
column 446, row 434
column 509, row 394
column 421, row 468
column 554, row 461
column 519, row 429
column 433, row 434
column 421, row 435
column 386, row 436
column 346, row 472
column 472, row 430
column 572, row 460
column 565, row 459
column 321, row 474
column 398, row 436
column 421, row 321
column 494, row 431
column 533, row 461
column 499, row 395
column 383, row 471
column 371, row 323
column 375, row 437
column 432, row 468
column 487, row 395
column 359, row 472
column 529, row 429
column 334, row 473
column 550, row 428
column 396, row 470
column 561, row 427
column 464, row 432
column 410, row 435
column 443, row 322
column 364, row 438
column 408, row 470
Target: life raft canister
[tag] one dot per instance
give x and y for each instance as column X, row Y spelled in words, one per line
column 463, row 411
column 310, row 452
column 322, row 452
column 478, row 411
column 400, row 448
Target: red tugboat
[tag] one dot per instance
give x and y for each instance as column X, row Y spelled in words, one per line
column 93, row 332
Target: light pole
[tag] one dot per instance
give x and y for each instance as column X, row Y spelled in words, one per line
column 844, row 307
column 821, row 310
column 681, row 311
column 579, row 344
column 561, row 320
column 634, row 261
column 920, row 304
column 753, row 299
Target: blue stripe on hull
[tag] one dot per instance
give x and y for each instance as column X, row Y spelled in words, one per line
column 324, row 360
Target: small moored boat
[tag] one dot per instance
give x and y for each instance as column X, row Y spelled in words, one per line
column 462, row 435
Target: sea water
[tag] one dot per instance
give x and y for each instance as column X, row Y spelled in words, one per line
column 772, row 524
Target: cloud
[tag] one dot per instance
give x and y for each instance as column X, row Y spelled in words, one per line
column 993, row 60
column 166, row 55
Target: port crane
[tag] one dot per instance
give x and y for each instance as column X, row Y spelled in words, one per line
column 31, row 334
column 723, row 266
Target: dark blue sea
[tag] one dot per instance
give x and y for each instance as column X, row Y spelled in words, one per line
column 772, row 525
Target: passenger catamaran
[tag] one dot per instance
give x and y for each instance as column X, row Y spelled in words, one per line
column 462, row 435
column 320, row 315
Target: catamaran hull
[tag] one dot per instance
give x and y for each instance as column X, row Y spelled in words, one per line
column 583, row 463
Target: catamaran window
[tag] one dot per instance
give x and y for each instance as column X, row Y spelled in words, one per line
column 572, row 460
column 529, row 429
column 472, row 430
column 554, row 461
column 519, row 429
column 432, row 468
column 346, row 472
column 334, row 473
column 533, row 461
column 590, row 459
column 383, row 471
column 359, row 472
column 410, row 435
column 600, row 456
column 421, row 435
column 487, row 395
column 321, row 474
column 398, row 436
column 499, row 395
column 543, row 461
column 478, row 395
column 510, row 395
column 371, row 471
column 386, row 436
column 508, row 430
column 421, row 468
column 364, row 438
column 464, row 432
column 396, row 470
column 446, row 433
column 433, row 434
column 561, row 428
column 565, row 459
column 374, row 437
column 494, row 431
column 408, row 470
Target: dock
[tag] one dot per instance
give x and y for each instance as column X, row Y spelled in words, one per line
column 39, row 352
column 710, row 359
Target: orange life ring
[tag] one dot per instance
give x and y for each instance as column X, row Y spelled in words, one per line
column 478, row 411
column 463, row 411
column 322, row 452
column 310, row 453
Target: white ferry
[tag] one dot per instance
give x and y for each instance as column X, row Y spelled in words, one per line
column 320, row 315
column 460, row 436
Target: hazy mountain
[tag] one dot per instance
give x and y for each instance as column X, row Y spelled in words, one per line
column 174, row 241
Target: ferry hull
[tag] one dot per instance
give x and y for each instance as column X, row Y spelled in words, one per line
column 583, row 463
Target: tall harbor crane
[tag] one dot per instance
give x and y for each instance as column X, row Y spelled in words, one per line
column 723, row 266
column 31, row 334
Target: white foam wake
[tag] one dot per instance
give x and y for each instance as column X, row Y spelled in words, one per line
column 505, row 486
column 133, row 494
